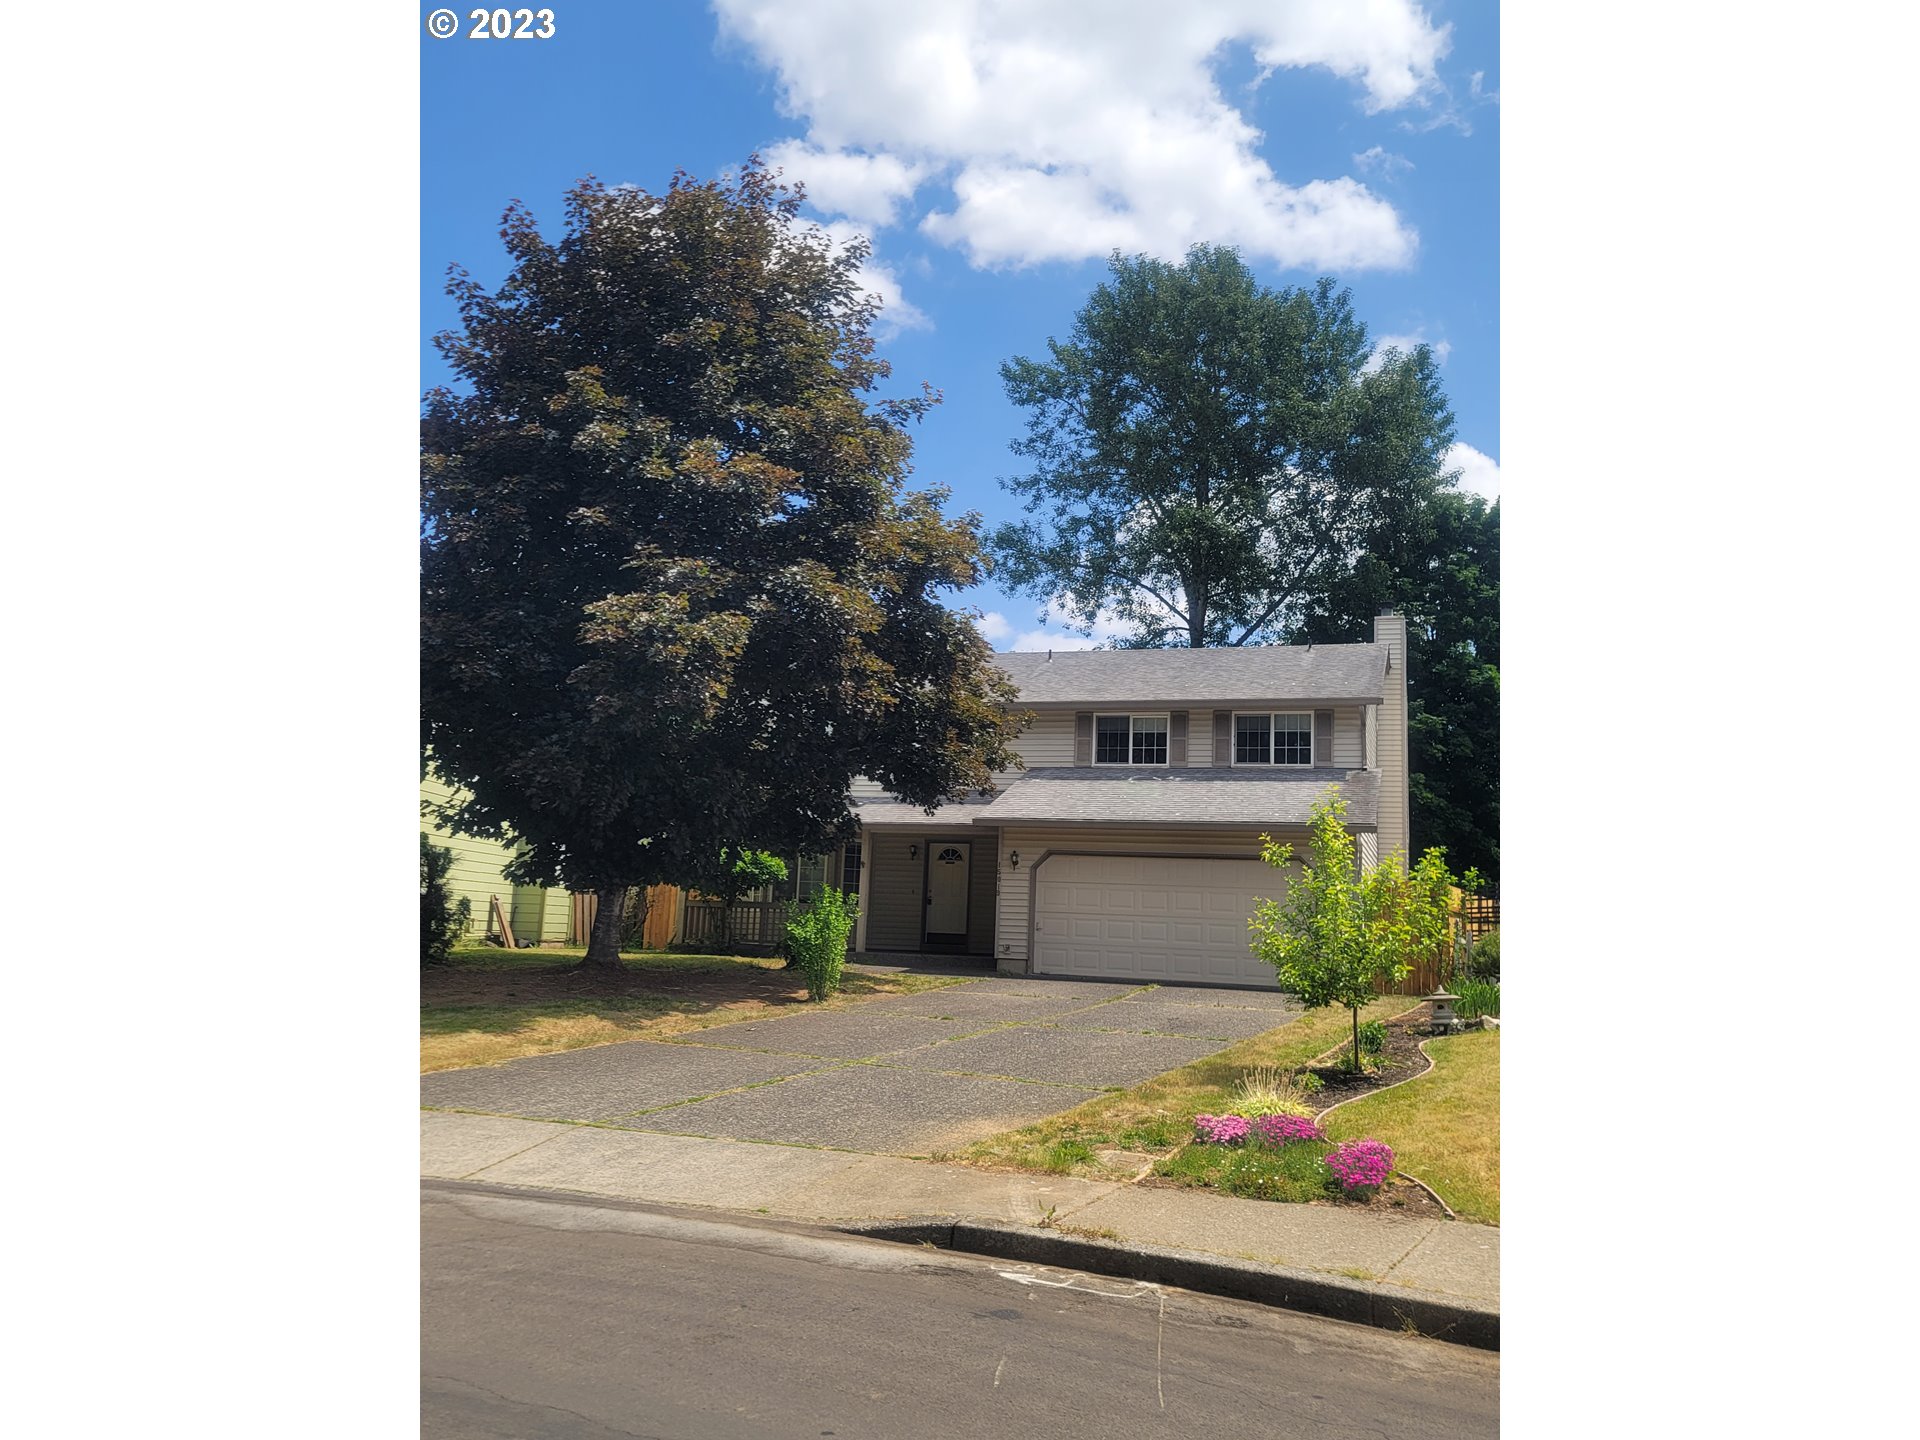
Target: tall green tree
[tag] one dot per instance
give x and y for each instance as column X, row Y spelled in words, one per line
column 674, row 592
column 1210, row 455
column 1442, row 571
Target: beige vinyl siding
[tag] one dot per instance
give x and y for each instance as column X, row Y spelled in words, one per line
column 984, row 884
column 893, row 885
column 1392, row 758
column 1349, row 739
column 890, row 887
column 1013, row 934
column 1047, row 742
column 1369, row 845
column 1200, row 738
column 865, row 789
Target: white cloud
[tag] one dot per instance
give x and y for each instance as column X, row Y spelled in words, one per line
column 1052, row 640
column 1405, row 343
column 994, row 625
column 1068, row 129
column 1479, row 473
column 867, row 190
column 1381, row 161
column 1107, row 627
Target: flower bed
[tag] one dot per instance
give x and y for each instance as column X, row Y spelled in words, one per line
column 1280, row 1157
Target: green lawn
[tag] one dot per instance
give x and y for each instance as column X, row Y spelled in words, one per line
column 1445, row 1126
column 488, row 1004
column 1156, row 1116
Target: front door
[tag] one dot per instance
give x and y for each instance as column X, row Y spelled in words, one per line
column 948, row 862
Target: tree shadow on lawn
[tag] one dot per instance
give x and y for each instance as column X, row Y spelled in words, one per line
column 500, row 992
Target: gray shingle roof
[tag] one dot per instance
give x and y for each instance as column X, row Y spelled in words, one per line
column 1086, row 796
column 898, row 812
column 1324, row 673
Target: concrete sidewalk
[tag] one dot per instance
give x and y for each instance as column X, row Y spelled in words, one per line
column 1451, row 1266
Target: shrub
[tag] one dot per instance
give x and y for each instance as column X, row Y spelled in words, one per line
column 1220, row 1129
column 1373, row 1037
column 1268, row 1091
column 1284, row 1129
column 443, row 919
column 1477, row 998
column 1309, row 1083
column 817, row 933
column 1482, row 960
column 1360, row 1164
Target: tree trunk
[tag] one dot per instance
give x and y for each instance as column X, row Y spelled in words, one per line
column 603, row 943
column 1355, row 1012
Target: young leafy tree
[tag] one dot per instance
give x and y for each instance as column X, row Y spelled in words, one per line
column 1338, row 934
column 735, row 874
column 1210, row 454
column 674, row 592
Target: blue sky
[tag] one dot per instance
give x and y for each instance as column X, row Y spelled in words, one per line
column 995, row 152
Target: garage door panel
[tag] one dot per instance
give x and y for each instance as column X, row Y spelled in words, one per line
column 1151, row 918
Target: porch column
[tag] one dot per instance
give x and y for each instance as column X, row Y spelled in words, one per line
column 866, row 889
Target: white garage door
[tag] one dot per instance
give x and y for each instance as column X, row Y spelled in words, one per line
column 1140, row 917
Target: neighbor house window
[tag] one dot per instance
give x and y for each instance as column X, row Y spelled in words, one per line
column 1273, row 739
column 809, row 877
column 1129, row 739
column 850, row 869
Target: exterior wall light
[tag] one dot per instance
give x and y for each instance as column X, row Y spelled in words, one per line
column 1014, row 860
column 913, row 852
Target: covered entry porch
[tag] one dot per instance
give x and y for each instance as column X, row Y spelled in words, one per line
column 928, row 883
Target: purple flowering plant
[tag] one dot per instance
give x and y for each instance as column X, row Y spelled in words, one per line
column 1280, row 1129
column 1220, row 1129
column 1360, row 1164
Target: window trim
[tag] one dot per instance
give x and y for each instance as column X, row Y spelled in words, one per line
column 1164, row 716
column 1233, row 741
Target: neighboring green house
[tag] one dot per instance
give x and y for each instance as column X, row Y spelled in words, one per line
column 541, row 916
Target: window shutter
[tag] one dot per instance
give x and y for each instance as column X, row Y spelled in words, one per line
column 1177, row 738
column 1223, row 737
column 1083, row 737
column 1323, row 737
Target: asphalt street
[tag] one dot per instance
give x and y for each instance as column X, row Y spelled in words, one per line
column 551, row 1316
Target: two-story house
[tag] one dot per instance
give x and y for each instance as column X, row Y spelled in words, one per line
column 1129, row 846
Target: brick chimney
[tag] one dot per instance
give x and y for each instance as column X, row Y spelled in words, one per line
column 1390, row 755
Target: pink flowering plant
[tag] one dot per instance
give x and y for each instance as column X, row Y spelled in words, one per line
column 1220, row 1129
column 1360, row 1165
column 1282, row 1129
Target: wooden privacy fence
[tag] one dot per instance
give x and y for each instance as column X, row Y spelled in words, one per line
column 752, row 925
column 1476, row 914
column 662, row 900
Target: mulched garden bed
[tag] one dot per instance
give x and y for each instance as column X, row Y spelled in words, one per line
column 1400, row 1060
column 1397, row 1197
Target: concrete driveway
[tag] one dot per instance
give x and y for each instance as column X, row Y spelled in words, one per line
column 905, row 1075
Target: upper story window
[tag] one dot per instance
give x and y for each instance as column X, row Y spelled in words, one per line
column 1273, row 739
column 1130, row 739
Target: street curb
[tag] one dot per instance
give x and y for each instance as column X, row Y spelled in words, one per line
column 1385, row 1307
